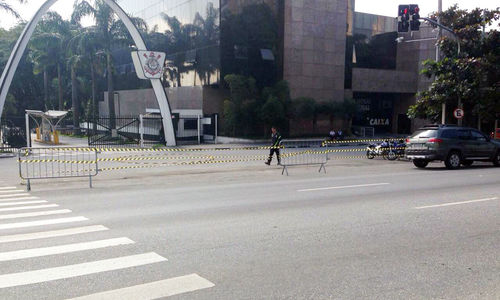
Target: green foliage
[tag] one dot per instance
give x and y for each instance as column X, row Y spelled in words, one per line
column 6, row 7
column 471, row 76
column 230, row 117
column 304, row 108
column 273, row 113
column 251, row 111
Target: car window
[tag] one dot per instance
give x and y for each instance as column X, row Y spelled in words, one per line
column 428, row 133
column 464, row 134
column 449, row 134
column 478, row 136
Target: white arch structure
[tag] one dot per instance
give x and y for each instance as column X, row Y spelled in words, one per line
column 22, row 42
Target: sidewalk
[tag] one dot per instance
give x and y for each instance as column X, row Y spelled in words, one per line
column 64, row 141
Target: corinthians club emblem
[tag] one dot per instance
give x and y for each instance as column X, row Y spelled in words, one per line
column 152, row 65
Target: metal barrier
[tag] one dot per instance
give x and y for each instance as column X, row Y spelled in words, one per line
column 46, row 163
column 303, row 153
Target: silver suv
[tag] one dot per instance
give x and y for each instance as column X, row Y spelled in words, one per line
column 454, row 145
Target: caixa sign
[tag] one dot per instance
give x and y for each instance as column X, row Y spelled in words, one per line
column 379, row 121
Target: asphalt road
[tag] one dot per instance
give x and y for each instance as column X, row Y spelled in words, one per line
column 364, row 230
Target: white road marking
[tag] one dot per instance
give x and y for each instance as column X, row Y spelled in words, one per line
column 35, row 214
column 11, row 191
column 18, row 198
column 8, row 188
column 14, row 195
column 343, row 187
column 44, row 275
column 28, row 207
column 457, row 203
column 37, row 252
column 50, row 234
column 22, row 202
column 43, row 222
column 155, row 290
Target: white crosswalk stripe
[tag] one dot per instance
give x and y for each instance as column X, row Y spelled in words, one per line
column 18, row 198
column 10, row 191
column 28, row 207
column 35, row 214
column 51, row 234
column 22, row 202
column 42, row 222
column 37, row 252
column 8, row 188
column 155, row 290
column 44, row 275
column 14, row 195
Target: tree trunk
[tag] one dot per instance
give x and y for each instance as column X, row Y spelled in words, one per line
column 111, row 92
column 74, row 101
column 94, row 111
column 45, row 87
column 59, row 83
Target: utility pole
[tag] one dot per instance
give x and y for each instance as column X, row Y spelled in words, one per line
column 438, row 54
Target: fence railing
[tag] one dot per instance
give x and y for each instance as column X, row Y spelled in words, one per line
column 147, row 130
column 302, row 153
column 46, row 163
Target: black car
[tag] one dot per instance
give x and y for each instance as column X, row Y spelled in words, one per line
column 452, row 144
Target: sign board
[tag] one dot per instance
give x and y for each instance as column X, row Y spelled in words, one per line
column 458, row 113
column 148, row 64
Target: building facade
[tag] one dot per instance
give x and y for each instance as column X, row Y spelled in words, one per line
column 322, row 48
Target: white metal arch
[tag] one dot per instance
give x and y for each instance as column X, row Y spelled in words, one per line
column 22, row 42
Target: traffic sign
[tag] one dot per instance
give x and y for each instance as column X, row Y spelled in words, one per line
column 458, row 113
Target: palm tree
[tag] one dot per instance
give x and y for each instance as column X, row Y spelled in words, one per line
column 207, row 36
column 73, row 62
column 181, row 38
column 85, row 43
column 5, row 6
column 109, row 33
column 48, row 47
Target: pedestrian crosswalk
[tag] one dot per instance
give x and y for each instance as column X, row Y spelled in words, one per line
column 27, row 220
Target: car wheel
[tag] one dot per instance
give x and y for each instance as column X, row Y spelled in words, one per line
column 370, row 154
column 420, row 163
column 453, row 160
column 467, row 163
column 496, row 159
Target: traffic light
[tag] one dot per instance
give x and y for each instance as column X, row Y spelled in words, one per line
column 403, row 18
column 414, row 17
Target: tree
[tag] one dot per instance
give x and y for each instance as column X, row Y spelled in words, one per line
column 207, row 38
column 471, row 77
column 273, row 113
column 26, row 90
column 348, row 109
column 50, row 42
column 110, row 33
column 47, row 48
column 6, row 7
column 244, row 104
column 85, row 43
column 180, row 37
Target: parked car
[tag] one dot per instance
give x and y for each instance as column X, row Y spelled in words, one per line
column 454, row 145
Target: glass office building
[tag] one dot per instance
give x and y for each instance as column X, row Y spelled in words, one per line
column 188, row 31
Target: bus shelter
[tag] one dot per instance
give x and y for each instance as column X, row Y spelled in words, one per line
column 46, row 124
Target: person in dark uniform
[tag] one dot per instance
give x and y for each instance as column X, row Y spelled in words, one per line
column 275, row 147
